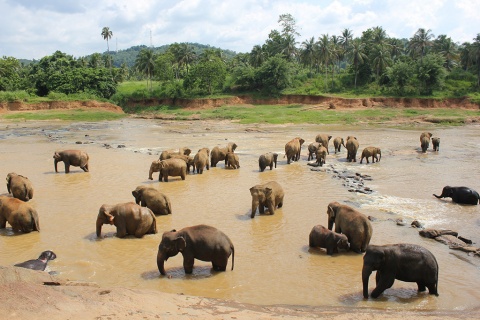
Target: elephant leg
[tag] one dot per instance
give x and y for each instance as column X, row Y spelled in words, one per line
column 85, row 167
column 271, row 207
column 121, row 232
column 188, row 264
column 261, row 208
column 384, row 281
column 67, row 166
column 421, row 286
column 3, row 223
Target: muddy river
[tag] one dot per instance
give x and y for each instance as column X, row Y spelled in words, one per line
column 273, row 263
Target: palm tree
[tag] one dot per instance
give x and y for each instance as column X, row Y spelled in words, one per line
column 337, row 53
column 379, row 36
column 420, row 42
column 475, row 55
column 447, row 49
column 396, row 47
column 289, row 49
column 308, row 53
column 381, row 61
column 257, row 56
column 324, row 53
column 145, row 63
column 357, row 56
column 346, row 39
column 107, row 34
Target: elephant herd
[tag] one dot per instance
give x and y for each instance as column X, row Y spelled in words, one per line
column 353, row 230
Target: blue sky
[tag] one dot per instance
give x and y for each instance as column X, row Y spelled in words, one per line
column 32, row 29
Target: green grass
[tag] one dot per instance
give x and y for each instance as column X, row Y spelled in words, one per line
column 66, row 115
column 279, row 114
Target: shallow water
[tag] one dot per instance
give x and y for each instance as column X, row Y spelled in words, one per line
column 273, row 263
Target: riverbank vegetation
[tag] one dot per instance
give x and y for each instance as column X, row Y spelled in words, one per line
column 371, row 64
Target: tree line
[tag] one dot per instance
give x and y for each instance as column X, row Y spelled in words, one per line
column 325, row 64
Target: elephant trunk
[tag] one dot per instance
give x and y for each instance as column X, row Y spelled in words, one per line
column 150, row 174
column 380, row 154
column 254, row 208
column 366, row 272
column 161, row 262
column 330, row 224
column 99, row 227
column 55, row 164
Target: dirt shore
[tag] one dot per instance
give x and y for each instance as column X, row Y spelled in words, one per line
column 27, row 294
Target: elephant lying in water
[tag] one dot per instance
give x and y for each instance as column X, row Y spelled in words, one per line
column 405, row 262
column 330, row 240
column 462, row 195
column 40, row 263
column 200, row 242
column 19, row 186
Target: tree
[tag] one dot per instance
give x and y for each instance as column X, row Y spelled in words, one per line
column 257, row 56
column 164, row 67
column 420, row 42
column 431, row 72
column 324, row 53
column 288, row 23
column 107, row 35
column 381, row 60
column 444, row 46
column 274, row 75
column 357, row 56
column 400, row 75
column 9, row 74
column 308, row 53
column 475, row 55
column 207, row 75
column 145, row 63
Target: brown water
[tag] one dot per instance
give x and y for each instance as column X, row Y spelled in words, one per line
column 273, row 264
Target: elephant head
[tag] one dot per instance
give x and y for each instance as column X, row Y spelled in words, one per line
column 9, row 180
column 137, row 194
column 374, row 259
column 231, row 146
column 172, row 243
column 154, row 167
column 260, row 195
column 447, row 192
column 104, row 217
column 275, row 156
column 332, row 213
column 57, row 158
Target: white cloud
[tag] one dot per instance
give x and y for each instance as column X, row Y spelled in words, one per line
column 33, row 29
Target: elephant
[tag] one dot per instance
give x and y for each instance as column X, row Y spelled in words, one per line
column 436, row 143
column 373, row 152
column 232, row 161
column 38, row 264
column 324, row 139
column 321, row 155
column 76, row 158
column 352, row 147
column 425, row 141
column 268, row 195
column 129, row 218
column 19, row 214
column 218, row 154
column 352, row 223
column 405, row 262
column 312, row 149
column 330, row 240
column 153, row 199
column 201, row 160
column 166, row 154
column 200, row 242
column 293, row 148
column 267, row 160
column 188, row 160
column 338, row 143
column 19, row 186
column 462, row 195
column 170, row 167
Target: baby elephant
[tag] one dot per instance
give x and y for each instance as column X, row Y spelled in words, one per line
column 330, row 240
column 267, row 160
column 321, row 155
column 153, row 199
column 19, row 186
column 373, row 152
column 200, row 242
column 436, row 143
column 232, row 161
column 19, row 214
column 338, row 143
column 404, row 262
column 268, row 195
column 40, row 263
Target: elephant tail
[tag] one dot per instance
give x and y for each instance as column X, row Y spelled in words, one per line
column 233, row 255
column 169, row 205
column 35, row 223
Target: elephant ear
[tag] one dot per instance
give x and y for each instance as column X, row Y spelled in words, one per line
column 252, row 191
column 180, row 243
column 268, row 192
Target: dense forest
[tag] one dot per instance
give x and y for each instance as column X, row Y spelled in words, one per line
column 372, row 63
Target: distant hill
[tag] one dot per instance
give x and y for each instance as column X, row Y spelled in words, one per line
column 129, row 55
